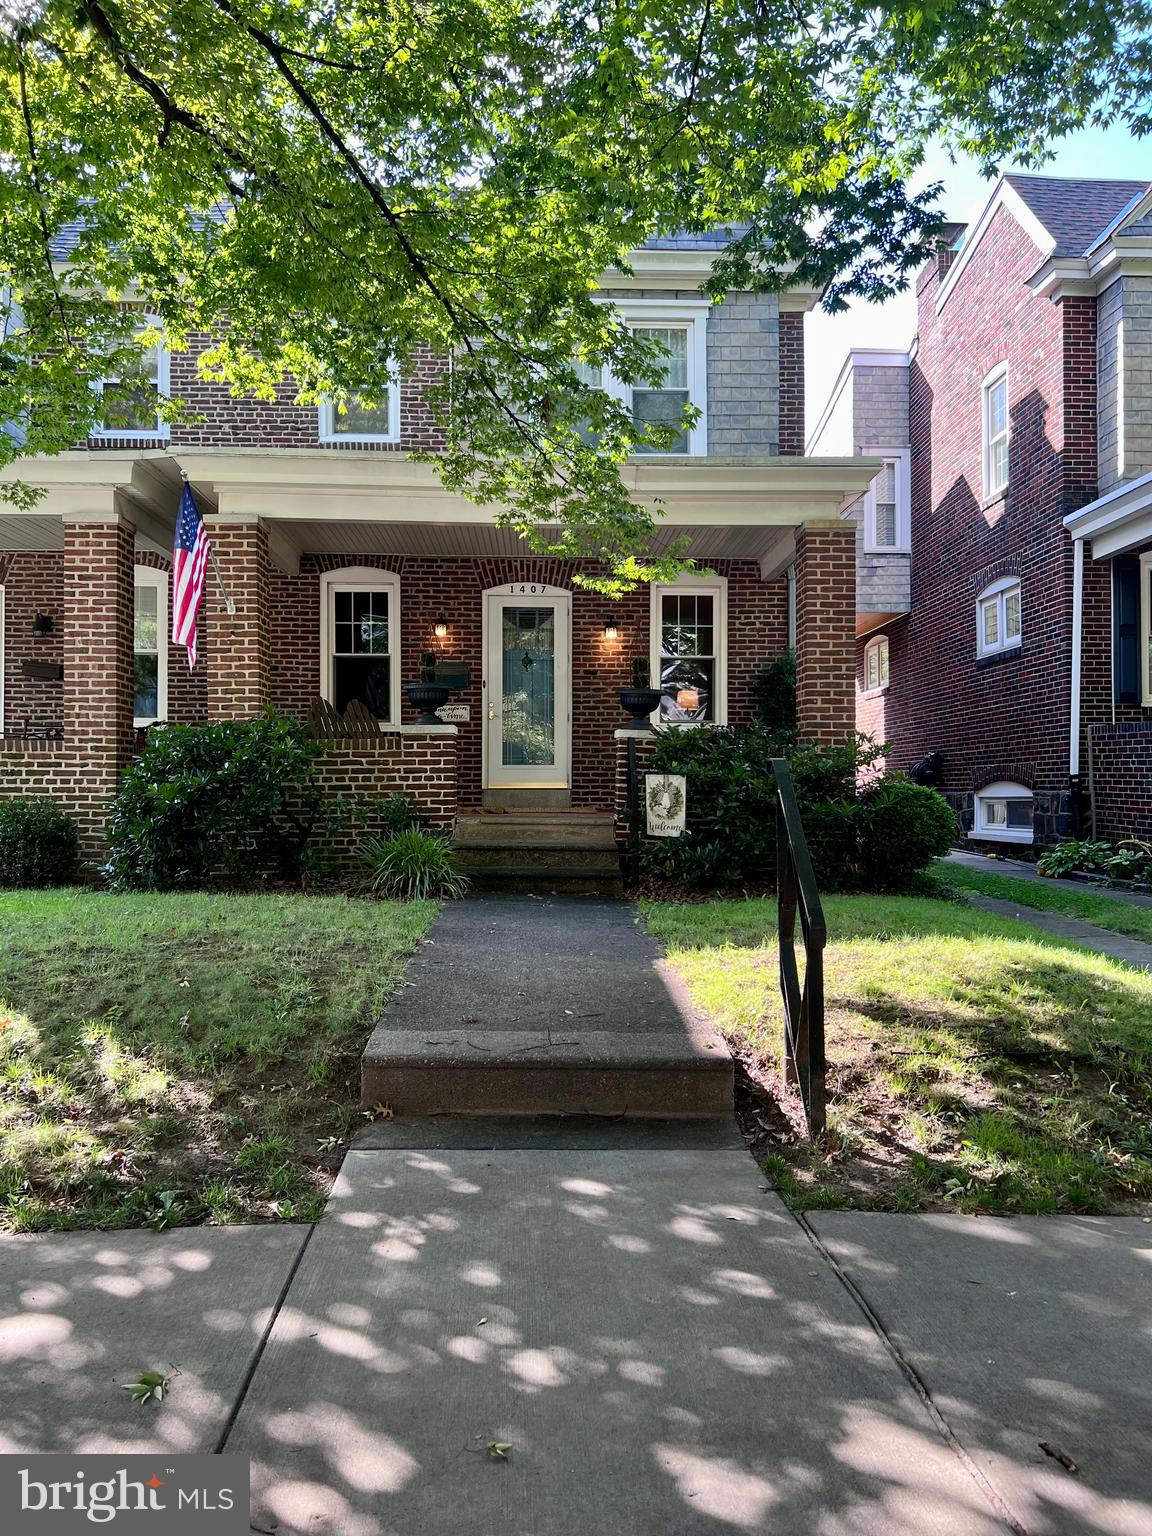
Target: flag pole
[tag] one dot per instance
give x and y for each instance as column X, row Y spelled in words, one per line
column 229, row 604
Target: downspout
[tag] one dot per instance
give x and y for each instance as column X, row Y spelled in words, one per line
column 790, row 575
column 1074, row 709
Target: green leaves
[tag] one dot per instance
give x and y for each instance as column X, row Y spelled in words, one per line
column 314, row 190
column 149, row 1387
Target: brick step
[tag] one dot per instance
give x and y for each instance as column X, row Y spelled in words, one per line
column 520, row 831
column 541, row 881
column 558, row 856
column 519, row 1072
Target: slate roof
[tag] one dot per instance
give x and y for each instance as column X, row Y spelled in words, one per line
column 1075, row 212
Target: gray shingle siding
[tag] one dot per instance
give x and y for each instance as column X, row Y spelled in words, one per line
column 1108, row 315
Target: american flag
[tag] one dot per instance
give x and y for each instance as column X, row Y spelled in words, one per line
column 189, row 562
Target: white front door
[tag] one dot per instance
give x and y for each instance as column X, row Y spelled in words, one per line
column 527, row 686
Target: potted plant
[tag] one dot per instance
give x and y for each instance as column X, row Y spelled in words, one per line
column 639, row 699
column 427, row 696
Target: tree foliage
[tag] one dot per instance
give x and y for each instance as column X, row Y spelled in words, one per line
column 322, row 187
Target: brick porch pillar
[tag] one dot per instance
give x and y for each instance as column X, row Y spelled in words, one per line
column 99, row 554
column 236, row 647
column 826, row 632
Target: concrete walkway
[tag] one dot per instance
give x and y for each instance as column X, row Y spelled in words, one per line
column 1020, row 869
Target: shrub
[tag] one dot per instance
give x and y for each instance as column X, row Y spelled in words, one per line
column 410, row 865
column 774, row 694
column 38, row 844
column 397, row 814
column 1131, row 861
column 1072, row 855
column 900, row 828
column 232, row 800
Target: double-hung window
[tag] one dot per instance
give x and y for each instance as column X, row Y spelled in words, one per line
column 995, row 430
column 150, row 646
column 130, row 393
column 679, row 331
column 887, row 505
column 374, row 419
column 360, row 641
column 998, row 617
column 689, row 625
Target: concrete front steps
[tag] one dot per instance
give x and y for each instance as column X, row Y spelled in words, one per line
column 540, row 850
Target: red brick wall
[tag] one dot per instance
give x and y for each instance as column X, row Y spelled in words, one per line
column 33, row 581
column 825, row 641
column 1012, row 708
column 792, row 383
column 421, row 766
column 1122, row 775
column 81, row 783
column 98, row 561
column 757, row 627
column 239, row 645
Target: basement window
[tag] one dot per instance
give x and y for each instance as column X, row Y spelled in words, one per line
column 1004, row 813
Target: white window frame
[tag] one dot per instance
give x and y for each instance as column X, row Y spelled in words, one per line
column 148, row 576
column 995, row 376
column 877, row 646
column 1002, row 789
column 690, row 584
column 362, row 578
column 999, row 591
column 160, row 433
column 1145, row 630
column 900, row 459
column 327, row 421
column 693, row 316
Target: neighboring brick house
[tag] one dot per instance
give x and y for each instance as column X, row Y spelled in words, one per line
column 344, row 560
column 1023, row 528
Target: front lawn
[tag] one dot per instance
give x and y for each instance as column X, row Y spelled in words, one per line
column 975, row 1063
column 1068, row 898
column 183, row 1058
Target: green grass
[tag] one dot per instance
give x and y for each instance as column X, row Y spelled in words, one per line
column 976, row 1063
column 184, row 1058
column 1069, row 899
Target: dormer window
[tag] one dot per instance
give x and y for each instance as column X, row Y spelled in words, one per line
column 994, row 408
column 130, row 393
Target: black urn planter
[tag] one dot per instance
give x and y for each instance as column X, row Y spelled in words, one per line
column 427, row 698
column 639, row 703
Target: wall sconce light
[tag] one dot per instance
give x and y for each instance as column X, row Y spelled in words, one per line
column 611, row 629
column 688, row 698
column 41, row 626
column 440, row 628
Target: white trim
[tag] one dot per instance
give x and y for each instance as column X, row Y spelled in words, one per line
column 879, row 648
column 701, row 584
column 326, row 421
column 1003, row 789
column 856, row 357
column 1120, row 405
column 901, row 459
column 497, row 774
column 362, row 578
column 163, row 389
column 1000, row 592
column 148, row 576
column 1004, row 195
column 1146, row 630
column 991, row 379
column 692, row 314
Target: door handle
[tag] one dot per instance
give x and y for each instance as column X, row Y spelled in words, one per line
column 491, row 711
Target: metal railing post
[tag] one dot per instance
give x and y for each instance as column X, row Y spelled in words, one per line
column 797, row 895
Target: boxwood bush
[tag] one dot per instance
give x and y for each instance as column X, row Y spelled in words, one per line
column 864, row 831
column 38, row 844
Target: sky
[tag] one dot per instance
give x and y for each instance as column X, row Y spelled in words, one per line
column 1105, row 152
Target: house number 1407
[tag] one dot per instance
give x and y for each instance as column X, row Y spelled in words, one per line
column 531, row 588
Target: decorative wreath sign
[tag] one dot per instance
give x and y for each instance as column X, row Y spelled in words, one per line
column 665, row 804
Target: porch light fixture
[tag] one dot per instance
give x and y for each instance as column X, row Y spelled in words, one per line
column 41, row 626
column 440, row 628
column 611, row 629
column 688, row 698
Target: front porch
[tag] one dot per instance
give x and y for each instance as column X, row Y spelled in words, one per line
column 341, row 571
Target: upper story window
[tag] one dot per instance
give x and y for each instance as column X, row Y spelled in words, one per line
column 359, row 422
column 994, row 410
column 130, row 395
column 680, row 329
column 360, row 641
column 887, row 505
column 150, row 646
column 998, row 617
column 689, row 631
column 876, row 664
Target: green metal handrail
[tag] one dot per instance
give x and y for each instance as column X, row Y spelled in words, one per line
column 796, row 894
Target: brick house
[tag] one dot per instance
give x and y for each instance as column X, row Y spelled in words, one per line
column 345, row 560
column 1005, row 553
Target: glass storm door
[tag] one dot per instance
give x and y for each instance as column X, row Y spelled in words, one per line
column 527, row 686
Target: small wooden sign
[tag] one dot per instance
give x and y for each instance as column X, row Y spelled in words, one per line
column 454, row 714
column 665, row 804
